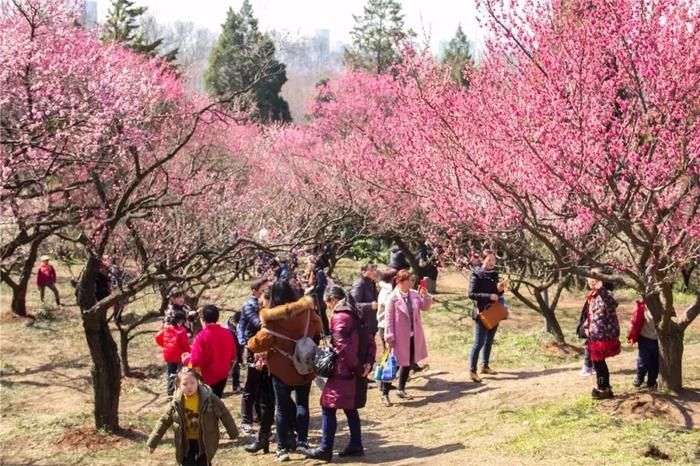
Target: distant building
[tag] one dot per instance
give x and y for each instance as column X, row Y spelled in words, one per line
column 88, row 18
column 322, row 42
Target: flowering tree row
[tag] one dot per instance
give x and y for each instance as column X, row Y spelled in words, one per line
column 577, row 141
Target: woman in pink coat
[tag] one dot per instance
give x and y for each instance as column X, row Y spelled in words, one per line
column 404, row 330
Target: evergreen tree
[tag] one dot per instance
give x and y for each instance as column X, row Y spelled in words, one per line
column 458, row 57
column 376, row 35
column 242, row 56
column 122, row 25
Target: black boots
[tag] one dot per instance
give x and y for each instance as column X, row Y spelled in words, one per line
column 319, row 454
column 352, row 451
column 262, row 442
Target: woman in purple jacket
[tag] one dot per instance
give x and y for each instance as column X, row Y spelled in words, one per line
column 346, row 389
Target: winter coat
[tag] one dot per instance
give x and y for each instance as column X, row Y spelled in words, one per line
column 290, row 320
column 398, row 327
column 249, row 324
column 362, row 295
column 602, row 326
column 174, row 341
column 347, row 388
column 213, row 352
column 636, row 323
column 385, row 290
column 397, row 259
column 45, row 275
column 482, row 285
column 211, row 409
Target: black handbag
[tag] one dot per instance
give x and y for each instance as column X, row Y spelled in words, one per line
column 324, row 361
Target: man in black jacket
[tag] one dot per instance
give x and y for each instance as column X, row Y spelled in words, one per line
column 363, row 296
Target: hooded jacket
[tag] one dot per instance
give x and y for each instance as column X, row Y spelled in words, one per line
column 290, row 320
column 347, row 388
column 211, row 411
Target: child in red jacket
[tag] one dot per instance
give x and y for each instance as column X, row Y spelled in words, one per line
column 173, row 339
column 643, row 332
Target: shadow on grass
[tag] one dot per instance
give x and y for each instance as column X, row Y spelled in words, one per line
column 514, row 375
column 445, row 391
column 377, row 452
column 53, row 373
column 684, row 402
column 78, row 363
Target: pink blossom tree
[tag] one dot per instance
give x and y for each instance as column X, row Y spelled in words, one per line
column 105, row 142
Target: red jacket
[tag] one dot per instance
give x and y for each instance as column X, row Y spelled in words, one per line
column 46, row 275
column 174, row 342
column 213, row 352
column 636, row 324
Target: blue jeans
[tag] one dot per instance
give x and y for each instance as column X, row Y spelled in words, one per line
column 648, row 360
column 329, row 424
column 284, row 419
column 482, row 339
column 172, row 369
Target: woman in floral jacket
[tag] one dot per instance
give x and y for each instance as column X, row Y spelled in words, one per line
column 603, row 331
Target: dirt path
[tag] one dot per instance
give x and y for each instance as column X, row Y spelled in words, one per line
column 447, row 405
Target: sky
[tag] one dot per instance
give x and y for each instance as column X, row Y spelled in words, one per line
column 435, row 19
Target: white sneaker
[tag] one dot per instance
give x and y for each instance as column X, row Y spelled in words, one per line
column 586, row 371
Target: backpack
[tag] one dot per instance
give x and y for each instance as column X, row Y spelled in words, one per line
column 304, row 349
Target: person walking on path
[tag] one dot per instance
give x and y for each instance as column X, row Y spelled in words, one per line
column 404, row 330
column 46, row 278
column 194, row 414
column 346, row 388
column 213, row 351
column 484, row 289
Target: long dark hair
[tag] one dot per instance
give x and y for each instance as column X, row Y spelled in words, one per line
column 282, row 293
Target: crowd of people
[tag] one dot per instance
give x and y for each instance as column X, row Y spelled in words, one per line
column 276, row 334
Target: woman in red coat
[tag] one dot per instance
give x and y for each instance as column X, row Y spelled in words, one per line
column 346, row 389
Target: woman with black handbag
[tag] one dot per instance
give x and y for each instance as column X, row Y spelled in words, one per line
column 346, row 388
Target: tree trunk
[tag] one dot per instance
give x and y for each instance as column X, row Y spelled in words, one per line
column 164, row 300
column 19, row 300
column 124, row 352
column 671, row 358
column 544, row 308
column 411, row 258
column 552, row 325
column 19, row 288
column 106, row 371
column 687, row 274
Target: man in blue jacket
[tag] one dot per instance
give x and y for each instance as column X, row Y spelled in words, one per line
column 247, row 327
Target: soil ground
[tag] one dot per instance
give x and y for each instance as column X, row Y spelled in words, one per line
column 537, row 410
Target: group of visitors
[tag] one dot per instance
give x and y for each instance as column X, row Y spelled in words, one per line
column 275, row 335
column 280, row 326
